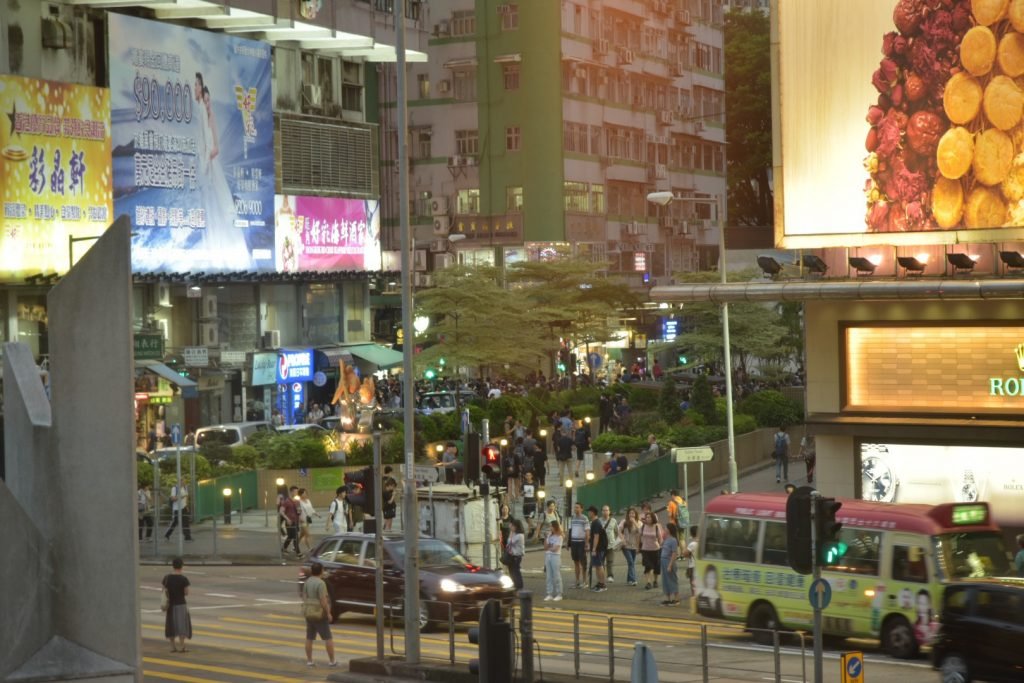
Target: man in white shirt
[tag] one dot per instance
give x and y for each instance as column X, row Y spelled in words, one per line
column 338, row 514
column 690, row 553
column 611, row 528
column 179, row 510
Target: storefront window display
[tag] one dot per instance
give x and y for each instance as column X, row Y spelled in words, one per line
column 323, row 306
column 32, row 323
column 281, row 312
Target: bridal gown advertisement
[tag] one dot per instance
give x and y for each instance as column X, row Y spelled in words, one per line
column 192, row 210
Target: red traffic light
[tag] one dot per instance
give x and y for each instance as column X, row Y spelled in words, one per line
column 491, row 454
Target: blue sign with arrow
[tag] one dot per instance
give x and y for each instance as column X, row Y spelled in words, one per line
column 820, row 594
column 852, row 664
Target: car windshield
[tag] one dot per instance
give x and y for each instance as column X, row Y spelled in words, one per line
column 225, row 436
column 972, row 555
column 432, row 553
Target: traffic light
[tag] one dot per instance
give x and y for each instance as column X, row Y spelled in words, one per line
column 682, row 359
column 429, row 373
column 493, row 638
column 830, row 548
column 361, row 485
column 798, row 530
column 440, row 361
column 473, row 458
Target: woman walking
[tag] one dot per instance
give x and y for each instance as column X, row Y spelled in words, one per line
column 178, row 623
column 516, row 547
column 553, row 561
column 669, row 576
column 650, row 549
column 629, row 532
column 306, row 514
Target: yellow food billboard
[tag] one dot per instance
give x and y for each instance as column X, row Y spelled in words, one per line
column 54, row 173
column 898, row 121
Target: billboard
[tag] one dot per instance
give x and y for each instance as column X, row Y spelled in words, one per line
column 898, row 122
column 54, row 174
column 193, row 147
column 326, row 233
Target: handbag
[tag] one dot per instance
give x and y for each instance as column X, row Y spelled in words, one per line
column 165, row 601
column 312, row 610
column 506, row 558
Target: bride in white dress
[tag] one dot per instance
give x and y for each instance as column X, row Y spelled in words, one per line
column 225, row 244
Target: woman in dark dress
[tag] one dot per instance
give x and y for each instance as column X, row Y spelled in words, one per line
column 178, row 623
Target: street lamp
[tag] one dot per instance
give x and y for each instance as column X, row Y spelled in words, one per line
column 664, row 199
column 227, row 505
column 568, row 498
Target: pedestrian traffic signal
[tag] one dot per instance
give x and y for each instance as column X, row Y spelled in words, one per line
column 830, row 548
column 493, row 638
column 491, row 454
column 798, row 530
column 429, row 373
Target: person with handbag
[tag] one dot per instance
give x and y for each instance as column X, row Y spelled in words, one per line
column 650, row 549
column 553, row 562
column 515, row 549
column 306, row 514
column 611, row 528
column 178, row 622
column 316, row 608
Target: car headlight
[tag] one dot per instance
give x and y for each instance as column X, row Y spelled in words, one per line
column 506, row 581
column 449, row 586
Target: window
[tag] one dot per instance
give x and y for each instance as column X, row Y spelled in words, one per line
column 348, row 552
column 463, row 23
column 908, row 564
column 351, row 86
column 464, row 84
column 862, row 555
column 512, row 138
column 1001, row 606
column 467, row 142
column 511, row 74
column 423, row 203
column 421, row 147
column 576, row 197
column 467, row 202
column 509, row 17
column 514, row 199
column 423, row 85
column 734, row 540
column 775, row 545
column 597, row 198
column 328, row 551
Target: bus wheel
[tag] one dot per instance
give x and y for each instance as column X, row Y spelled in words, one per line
column 762, row 621
column 898, row 638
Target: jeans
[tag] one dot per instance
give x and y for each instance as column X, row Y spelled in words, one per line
column 608, row 558
column 630, row 556
column 553, row 573
column 669, row 579
column 515, row 571
column 292, row 537
column 185, row 525
column 782, row 467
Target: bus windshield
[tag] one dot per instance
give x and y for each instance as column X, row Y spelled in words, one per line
column 972, row 555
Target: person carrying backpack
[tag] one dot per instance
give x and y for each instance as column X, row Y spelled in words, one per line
column 512, row 469
column 678, row 512
column 582, row 442
column 781, row 454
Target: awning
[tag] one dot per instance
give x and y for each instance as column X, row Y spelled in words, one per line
column 460, row 63
column 168, row 374
column 332, row 356
column 378, row 355
column 513, row 58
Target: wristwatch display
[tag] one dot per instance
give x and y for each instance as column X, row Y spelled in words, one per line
column 878, row 481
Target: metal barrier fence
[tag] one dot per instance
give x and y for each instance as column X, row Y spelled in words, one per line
column 637, row 483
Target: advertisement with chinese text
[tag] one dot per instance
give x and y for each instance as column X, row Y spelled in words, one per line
column 326, row 233
column 911, row 132
column 193, row 147
column 55, row 174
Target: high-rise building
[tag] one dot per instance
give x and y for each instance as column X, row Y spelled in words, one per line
column 538, row 123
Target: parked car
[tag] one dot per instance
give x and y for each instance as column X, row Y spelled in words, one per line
column 232, row 434
column 981, row 632
column 442, row 401
column 446, row 578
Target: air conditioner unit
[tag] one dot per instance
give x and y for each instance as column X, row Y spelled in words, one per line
column 469, row 161
column 441, row 28
column 698, row 126
column 163, row 295
column 665, row 117
column 635, row 228
column 312, row 95
column 442, row 225
column 209, row 334
column 419, row 259
column 442, row 261
column 209, row 307
column 420, row 280
column 682, row 230
column 439, row 206
column 602, row 46
column 626, row 56
column 464, row 161
column 704, row 224
column 439, row 246
column 666, row 222
column 271, row 339
column 444, row 86
column 454, row 161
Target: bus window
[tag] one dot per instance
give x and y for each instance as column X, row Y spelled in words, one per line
column 908, row 564
column 862, row 551
column 972, row 555
column 775, row 544
column 731, row 539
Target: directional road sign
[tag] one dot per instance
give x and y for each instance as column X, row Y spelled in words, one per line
column 701, row 454
column 820, row 594
column 176, row 434
column 852, row 664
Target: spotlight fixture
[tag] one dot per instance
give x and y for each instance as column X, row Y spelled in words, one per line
column 769, row 266
column 862, row 265
column 913, row 265
column 1013, row 260
column 814, row 264
column 962, row 263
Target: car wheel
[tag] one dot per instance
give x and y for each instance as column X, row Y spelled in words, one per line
column 762, row 621
column 954, row 669
column 898, row 639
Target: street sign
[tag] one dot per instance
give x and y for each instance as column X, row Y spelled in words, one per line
column 176, row 435
column 196, row 356
column 852, row 666
column 820, row 594
column 701, row 454
column 149, row 347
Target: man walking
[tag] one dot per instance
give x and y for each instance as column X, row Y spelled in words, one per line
column 314, row 595
column 289, row 510
column 611, row 529
column 690, row 553
column 339, row 517
column 781, row 454
column 598, row 545
column 578, row 543
column 563, row 454
column 678, row 512
column 179, row 510
column 145, row 505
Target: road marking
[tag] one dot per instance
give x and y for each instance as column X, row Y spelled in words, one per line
column 220, row 595
column 158, row 589
column 193, row 608
column 244, row 578
column 148, row 673
column 219, row 670
column 279, row 602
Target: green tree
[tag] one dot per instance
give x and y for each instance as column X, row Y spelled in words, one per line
column 702, row 401
column 668, row 404
column 748, row 117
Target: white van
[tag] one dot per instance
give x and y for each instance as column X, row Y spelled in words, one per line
column 231, row 434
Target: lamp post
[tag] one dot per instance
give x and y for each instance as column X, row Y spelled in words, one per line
column 568, row 498
column 227, row 505
column 664, row 199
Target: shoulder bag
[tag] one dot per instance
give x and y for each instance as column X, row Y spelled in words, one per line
column 312, row 610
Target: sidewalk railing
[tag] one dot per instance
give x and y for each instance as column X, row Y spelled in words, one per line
column 636, row 484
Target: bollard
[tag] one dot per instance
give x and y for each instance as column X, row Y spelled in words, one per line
column 214, row 518
column 705, row 668
column 576, row 642
column 526, row 633
column 778, row 657
column 644, row 669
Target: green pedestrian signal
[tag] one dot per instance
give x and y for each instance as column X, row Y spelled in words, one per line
column 682, row 360
column 830, row 548
column 833, row 552
column 429, row 373
column 441, row 362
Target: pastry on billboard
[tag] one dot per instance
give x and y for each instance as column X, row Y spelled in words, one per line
column 993, row 156
column 947, row 202
column 988, row 12
column 978, row 50
column 985, row 209
column 1016, row 14
column 955, row 152
column 1002, row 102
column 962, row 98
column 1013, row 186
column 1010, row 54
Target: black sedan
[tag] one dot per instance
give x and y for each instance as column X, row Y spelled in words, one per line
column 447, row 579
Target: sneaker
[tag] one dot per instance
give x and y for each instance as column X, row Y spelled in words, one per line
column 557, row 598
column 611, row 579
column 673, row 602
column 309, row 663
column 777, row 480
column 579, row 585
column 631, row 583
column 601, row 588
column 333, row 664
column 647, row 587
column 665, row 603
column 547, row 597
